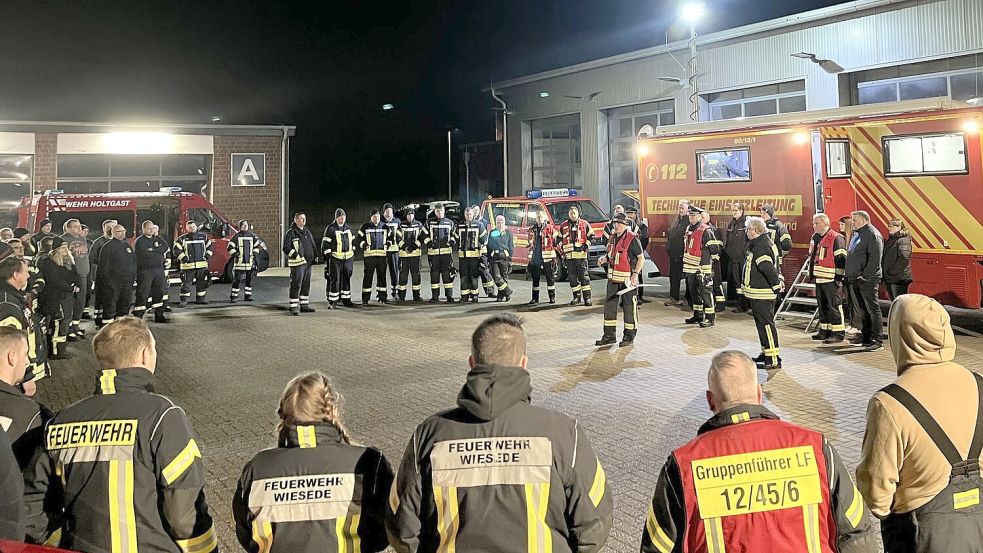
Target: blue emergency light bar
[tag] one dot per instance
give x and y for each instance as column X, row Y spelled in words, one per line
column 550, row 193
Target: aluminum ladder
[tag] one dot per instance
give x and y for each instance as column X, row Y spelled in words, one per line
column 800, row 302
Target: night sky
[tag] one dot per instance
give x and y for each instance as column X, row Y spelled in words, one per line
column 327, row 70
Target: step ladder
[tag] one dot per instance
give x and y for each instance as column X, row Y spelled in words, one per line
column 800, row 302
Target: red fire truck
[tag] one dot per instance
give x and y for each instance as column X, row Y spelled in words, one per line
column 920, row 161
column 169, row 209
column 520, row 215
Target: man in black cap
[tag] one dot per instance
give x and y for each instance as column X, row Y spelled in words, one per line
column 409, row 241
column 372, row 238
column 243, row 248
column 392, row 249
column 338, row 246
column 24, row 236
column 700, row 247
column 301, row 252
column 778, row 232
column 624, row 264
column 44, row 231
column 718, row 276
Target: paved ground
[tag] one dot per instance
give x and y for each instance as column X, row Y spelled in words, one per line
column 228, row 364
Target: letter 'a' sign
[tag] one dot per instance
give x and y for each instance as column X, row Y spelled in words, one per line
column 248, row 169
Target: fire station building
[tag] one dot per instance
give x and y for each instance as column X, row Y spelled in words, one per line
column 243, row 170
column 577, row 126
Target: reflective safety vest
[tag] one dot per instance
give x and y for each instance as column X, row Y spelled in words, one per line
column 545, row 239
column 15, row 312
column 440, row 237
column 470, row 239
column 372, row 239
column 338, row 242
column 392, row 229
column 193, row 250
column 761, row 279
column 409, row 238
column 243, row 248
column 741, row 481
column 697, row 257
column 576, row 238
column 619, row 260
column 825, row 257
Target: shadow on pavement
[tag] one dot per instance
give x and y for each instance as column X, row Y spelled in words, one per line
column 599, row 366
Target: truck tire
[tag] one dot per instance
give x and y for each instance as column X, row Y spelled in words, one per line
column 227, row 273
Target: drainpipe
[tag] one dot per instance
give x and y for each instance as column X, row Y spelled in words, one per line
column 505, row 142
column 284, row 186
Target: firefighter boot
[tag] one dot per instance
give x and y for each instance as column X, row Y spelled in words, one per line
column 707, row 322
column 304, row 308
column 552, row 295
column 449, row 294
column 159, row 315
column 695, row 319
column 587, row 298
column 535, row 298
column 628, row 338
column 607, row 339
column 416, row 296
column 234, row 299
column 508, row 294
column 347, row 302
column 249, row 296
column 576, row 299
column 821, row 335
column 434, row 298
column 835, row 338
column 366, row 296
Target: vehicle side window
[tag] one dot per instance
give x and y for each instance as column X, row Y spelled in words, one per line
column 531, row 215
column 513, row 215
column 206, row 219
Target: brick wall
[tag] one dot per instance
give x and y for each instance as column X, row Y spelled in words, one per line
column 45, row 161
column 260, row 205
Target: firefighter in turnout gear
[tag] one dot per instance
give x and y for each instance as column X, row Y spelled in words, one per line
column 17, row 312
column 243, row 248
column 94, row 251
column 575, row 234
column 701, row 246
column 167, row 268
column 343, row 487
column 761, row 286
column 338, row 247
column 624, row 263
column 827, row 268
column 718, row 281
column 192, row 251
column 609, row 226
column 440, row 244
column 392, row 247
column 470, row 236
column 373, row 240
column 22, row 419
column 409, row 237
column 752, row 482
column 151, row 281
column 487, row 282
column 778, row 233
column 301, row 252
column 501, row 245
column 542, row 259
column 498, row 470
column 120, row 273
column 130, row 469
column 642, row 233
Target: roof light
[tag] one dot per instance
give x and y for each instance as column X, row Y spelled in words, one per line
column 544, row 94
column 536, row 194
column 387, row 107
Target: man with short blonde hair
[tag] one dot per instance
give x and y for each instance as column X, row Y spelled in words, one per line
column 128, row 342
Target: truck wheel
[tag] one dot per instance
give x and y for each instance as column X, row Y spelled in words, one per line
column 560, row 274
column 227, row 273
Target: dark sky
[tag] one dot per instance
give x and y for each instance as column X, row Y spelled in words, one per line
column 326, row 69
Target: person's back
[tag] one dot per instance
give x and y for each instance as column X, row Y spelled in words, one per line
column 907, row 478
column 130, row 467
column 497, row 474
column 315, row 491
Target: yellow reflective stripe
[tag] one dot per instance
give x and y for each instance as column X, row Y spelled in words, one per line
column 122, row 518
column 353, row 531
column 339, row 529
column 107, row 381
column 714, row 535
column 837, row 253
column 968, row 498
column 305, row 434
column 447, row 518
column 394, row 495
column 12, row 322
column 810, row 517
column 201, row 544
column 115, row 536
column 182, row 462
column 54, row 539
column 740, row 417
column 854, row 513
column 597, row 490
column 263, row 536
column 539, row 539
column 762, row 259
column 657, row 535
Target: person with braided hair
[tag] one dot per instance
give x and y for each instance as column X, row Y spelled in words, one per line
column 301, row 495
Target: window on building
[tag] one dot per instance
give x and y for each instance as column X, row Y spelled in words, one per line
column 724, row 165
column 838, row 163
column 770, row 99
column 959, row 78
column 556, row 152
column 623, row 126
column 16, row 175
column 925, row 155
column 98, row 173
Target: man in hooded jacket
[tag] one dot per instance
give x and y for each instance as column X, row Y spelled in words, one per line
column 498, row 470
column 920, row 468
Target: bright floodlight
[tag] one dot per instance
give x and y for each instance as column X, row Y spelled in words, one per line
column 387, row 107
column 544, row 94
column 693, row 11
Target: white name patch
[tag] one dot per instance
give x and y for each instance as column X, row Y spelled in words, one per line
column 492, row 461
column 302, row 498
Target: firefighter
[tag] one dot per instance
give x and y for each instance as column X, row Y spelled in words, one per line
column 609, row 226
column 24, row 236
column 24, row 420
column 167, row 267
column 487, row 282
column 151, row 280
column 752, row 482
column 440, row 244
column 17, row 311
column 338, row 247
column 761, row 286
column 373, row 240
column 470, row 238
column 501, row 245
column 575, row 234
column 75, row 237
column 344, row 512
column 193, row 250
column 778, row 233
column 701, row 246
column 56, row 299
column 131, row 472
column 542, row 258
column 735, row 244
column 243, row 248
column 718, row 283
column 392, row 245
column 624, row 262
column 97, row 244
column 120, row 272
column 410, row 236
column 44, row 231
column 497, row 469
column 827, row 268
column 642, row 233
column 301, row 252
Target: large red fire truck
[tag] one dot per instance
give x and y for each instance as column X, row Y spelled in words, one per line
column 920, row 161
column 169, row 209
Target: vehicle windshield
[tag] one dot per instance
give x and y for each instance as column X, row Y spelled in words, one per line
column 588, row 211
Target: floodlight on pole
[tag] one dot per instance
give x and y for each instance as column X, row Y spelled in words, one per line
column 691, row 13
